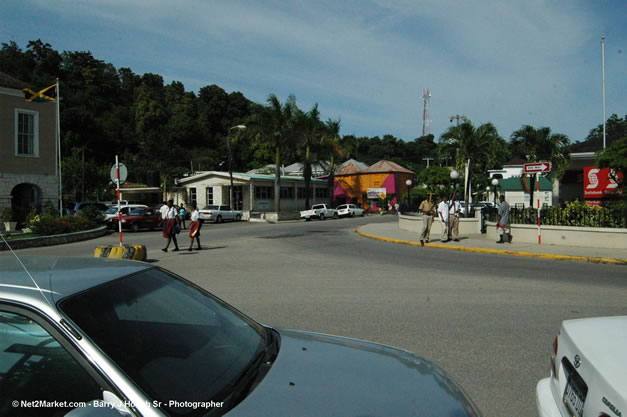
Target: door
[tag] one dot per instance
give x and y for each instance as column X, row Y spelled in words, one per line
column 238, row 197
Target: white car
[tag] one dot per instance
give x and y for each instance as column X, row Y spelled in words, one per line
column 588, row 370
column 219, row 213
column 349, row 210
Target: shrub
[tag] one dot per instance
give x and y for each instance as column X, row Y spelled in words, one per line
column 52, row 225
column 93, row 214
column 8, row 215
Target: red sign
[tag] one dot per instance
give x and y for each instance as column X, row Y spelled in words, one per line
column 598, row 183
column 537, row 167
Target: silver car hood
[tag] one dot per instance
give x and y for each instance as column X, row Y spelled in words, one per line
column 321, row 375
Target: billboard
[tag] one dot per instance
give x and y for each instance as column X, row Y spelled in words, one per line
column 376, row 193
column 598, row 183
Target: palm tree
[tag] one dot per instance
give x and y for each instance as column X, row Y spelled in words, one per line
column 316, row 140
column 537, row 145
column 540, row 145
column 275, row 126
column 469, row 143
column 330, row 145
column 309, row 129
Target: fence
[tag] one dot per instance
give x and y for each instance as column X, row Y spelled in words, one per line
column 578, row 215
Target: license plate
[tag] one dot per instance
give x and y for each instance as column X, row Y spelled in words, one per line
column 573, row 398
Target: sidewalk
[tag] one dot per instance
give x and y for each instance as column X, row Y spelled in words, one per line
column 486, row 243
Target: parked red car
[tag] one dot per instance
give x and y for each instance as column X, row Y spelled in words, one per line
column 140, row 218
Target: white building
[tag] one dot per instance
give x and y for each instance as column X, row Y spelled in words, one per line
column 252, row 193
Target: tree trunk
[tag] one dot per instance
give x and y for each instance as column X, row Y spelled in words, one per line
column 307, row 175
column 331, row 180
column 277, row 181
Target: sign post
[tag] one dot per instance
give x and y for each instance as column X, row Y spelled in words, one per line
column 537, row 168
column 118, row 175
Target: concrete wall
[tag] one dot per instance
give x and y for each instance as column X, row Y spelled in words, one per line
column 598, row 237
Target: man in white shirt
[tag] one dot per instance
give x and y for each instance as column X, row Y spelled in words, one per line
column 443, row 214
column 455, row 208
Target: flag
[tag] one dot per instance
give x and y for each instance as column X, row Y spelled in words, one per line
column 45, row 95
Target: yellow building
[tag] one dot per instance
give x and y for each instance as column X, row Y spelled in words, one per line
column 360, row 184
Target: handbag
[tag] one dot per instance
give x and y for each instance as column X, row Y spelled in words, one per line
column 177, row 229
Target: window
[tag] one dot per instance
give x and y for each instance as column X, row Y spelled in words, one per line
column 209, row 195
column 36, row 367
column 192, row 196
column 287, row 193
column 263, row 192
column 301, row 193
column 26, row 133
column 322, row 193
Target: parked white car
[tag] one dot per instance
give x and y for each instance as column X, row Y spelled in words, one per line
column 588, row 370
column 349, row 210
column 219, row 213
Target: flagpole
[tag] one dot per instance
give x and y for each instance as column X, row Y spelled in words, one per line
column 59, row 151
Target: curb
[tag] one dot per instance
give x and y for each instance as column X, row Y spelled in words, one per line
column 598, row 260
column 52, row 240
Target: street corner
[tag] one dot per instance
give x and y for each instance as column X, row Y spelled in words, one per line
column 510, row 252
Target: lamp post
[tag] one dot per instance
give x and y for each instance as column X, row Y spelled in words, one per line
column 228, row 147
column 487, row 192
column 495, row 184
column 454, row 177
column 409, row 184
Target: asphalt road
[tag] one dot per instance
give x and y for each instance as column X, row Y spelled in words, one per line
column 488, row 320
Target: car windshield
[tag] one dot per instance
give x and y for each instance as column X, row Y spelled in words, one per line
column 137, row 211
column 174, row 340
column 112, row 210
column 210, row 207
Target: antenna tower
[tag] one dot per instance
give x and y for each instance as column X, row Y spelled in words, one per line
column 426, row 121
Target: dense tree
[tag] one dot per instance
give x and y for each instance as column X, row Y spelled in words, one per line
column 539, row 144
column 468, row 143
column 156, row 127
column 615, row 157
column 273, row 129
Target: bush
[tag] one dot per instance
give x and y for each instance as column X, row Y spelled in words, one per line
column 93, row 214
column 8, row 215
column 51, row 225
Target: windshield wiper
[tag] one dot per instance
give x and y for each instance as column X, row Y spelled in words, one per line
column 254, row 371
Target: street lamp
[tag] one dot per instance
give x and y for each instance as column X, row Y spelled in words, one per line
column 487, row 192
column 408, row 183
column 454, row 177
column 228, row 147
column 495, row 183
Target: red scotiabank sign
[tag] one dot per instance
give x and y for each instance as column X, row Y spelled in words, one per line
column 597, row 182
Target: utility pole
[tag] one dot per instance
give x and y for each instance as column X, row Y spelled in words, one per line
column 426, row 121
column 458, row 118
column 427, row 159
column 603, row 82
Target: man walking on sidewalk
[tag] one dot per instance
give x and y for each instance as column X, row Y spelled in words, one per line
column 453, row 220
column 502, row 226
column 443, row 211
column 427, row 208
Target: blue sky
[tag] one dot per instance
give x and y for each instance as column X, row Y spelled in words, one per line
column 366, row 62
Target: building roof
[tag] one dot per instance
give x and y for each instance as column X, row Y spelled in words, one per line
column 515, row 184
column 351, row 167
column 239, row 176
column 386, row 166
column 10, row 82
